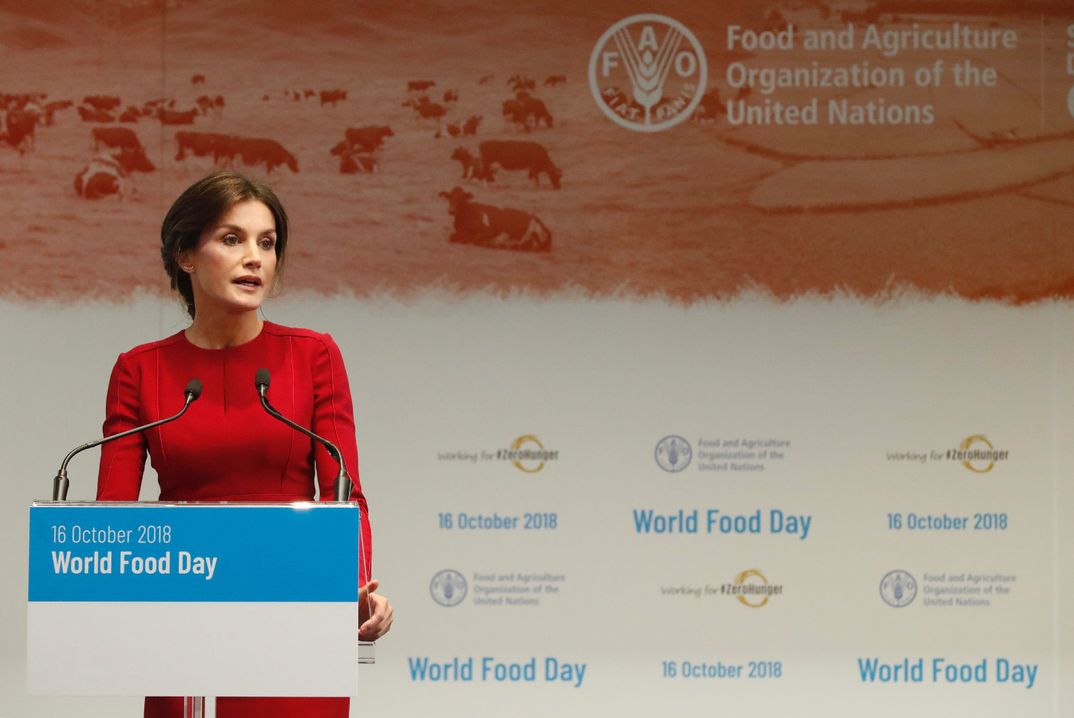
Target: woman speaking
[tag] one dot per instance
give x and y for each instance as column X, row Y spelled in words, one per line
column 223, row 243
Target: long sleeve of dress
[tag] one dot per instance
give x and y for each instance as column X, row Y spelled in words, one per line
column 333, row 418
column 122, row 460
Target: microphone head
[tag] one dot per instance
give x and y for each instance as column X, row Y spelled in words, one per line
column 261, row 379
column 193, row 389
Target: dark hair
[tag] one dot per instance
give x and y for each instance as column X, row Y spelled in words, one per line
column 200, row 205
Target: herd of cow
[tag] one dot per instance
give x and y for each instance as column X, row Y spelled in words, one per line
column 120, row 153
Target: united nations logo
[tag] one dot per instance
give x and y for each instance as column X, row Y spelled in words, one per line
column 648, row 72
column 673, row 453
column 898, row 589
column 448, row 588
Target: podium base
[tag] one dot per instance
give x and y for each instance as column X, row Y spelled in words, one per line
column 199, row 707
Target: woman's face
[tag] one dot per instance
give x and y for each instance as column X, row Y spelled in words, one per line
column 233, row 265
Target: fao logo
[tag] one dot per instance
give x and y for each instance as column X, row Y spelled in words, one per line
column 648, row 72
column 898, row 589
column 673, row 453
column 448, row 587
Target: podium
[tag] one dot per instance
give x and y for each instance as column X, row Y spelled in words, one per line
column 188, row 599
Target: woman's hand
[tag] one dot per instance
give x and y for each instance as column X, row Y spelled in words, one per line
column 374, row 612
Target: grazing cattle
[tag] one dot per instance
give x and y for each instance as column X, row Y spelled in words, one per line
column 197, row 80
column 368, row 138
column 453, row 129
column 524, row 107
column 101, row 102
column 451, row 96
column 472, row 167
column 20, row 126
column 487, row 226
column 308, row 93
column 331, row 97
column 515, row 155
column 102, row 177
column 552, row 80
column 419, row 85
column 469, row 127
column 270, row 152
column 204, row 144
column 90, row 114
column 265, row 98
column 485, row 79
column 117, row 137
column 176, row 117
column 426, row 109
column 106, row 174
column 131, row 114
column 430, row 111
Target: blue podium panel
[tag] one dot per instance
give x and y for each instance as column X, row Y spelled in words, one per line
column 193, row 599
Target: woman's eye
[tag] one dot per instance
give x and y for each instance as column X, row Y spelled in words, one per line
column 230, row 239
column 268, row 243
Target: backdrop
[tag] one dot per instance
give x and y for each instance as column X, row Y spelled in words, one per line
column 703, row 355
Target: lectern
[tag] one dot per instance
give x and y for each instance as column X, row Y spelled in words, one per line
column 179, row 599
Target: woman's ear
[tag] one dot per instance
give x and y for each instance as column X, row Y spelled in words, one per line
column 183, row 260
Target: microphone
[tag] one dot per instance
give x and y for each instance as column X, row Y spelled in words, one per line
column 343, row 479
column 60, row 484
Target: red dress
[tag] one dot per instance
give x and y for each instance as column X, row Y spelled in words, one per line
column 227, row 448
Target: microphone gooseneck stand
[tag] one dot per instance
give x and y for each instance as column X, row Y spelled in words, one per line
column 343, row 480
column 60, row 483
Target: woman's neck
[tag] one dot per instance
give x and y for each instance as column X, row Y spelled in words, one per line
column 225, row 330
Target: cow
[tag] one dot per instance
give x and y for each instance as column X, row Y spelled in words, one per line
column 131, row 114
column 523, row 107
column 368, row 138
column 107, row 174
column 472, row 167
column 197, row 80
column 425, row 108
column 204, row 144
column 485, row 79
column 308, row 93
column 176, row 117
column 102, row 177
column 487, row 226
column 117, row 137
column 101, row 102
column 331, row 97
column 469, row 127
column 453, row 129
column 419, row 85
column 553, row 80
column 91, row 114
column 255, row 151
column 451, row 96
column 515, row 155
column 20, row 126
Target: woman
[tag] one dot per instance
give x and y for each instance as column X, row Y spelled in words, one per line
column 223, row 245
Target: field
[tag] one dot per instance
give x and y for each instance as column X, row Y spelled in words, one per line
column 979, row 203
